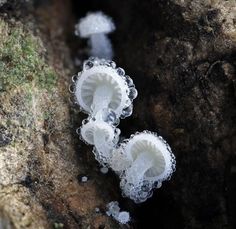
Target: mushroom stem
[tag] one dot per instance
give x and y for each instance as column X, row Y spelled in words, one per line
column 101, row 98
column 103, row 147
column 101, row 46
column 136, row 172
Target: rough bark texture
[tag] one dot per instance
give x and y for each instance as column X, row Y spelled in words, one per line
column 181, row 56
column 41, row 160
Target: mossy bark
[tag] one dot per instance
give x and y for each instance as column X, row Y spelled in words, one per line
column 40, row 157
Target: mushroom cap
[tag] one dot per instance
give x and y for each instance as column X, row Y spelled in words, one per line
column 94, row 23
column 158, row 149
column 88, row 130
column 123, row 217
column 103, row 73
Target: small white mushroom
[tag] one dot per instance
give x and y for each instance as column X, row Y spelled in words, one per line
column 122, row 217
column 103, row 136
column 102, row 86
column 152, row 163
column 96, row 26
column 94, row 130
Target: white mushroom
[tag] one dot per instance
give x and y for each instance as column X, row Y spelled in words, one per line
column 94, row 130
column 145, row 160
column 152, row 163
column 96, row 26
column 102, row 86
column 103, row 136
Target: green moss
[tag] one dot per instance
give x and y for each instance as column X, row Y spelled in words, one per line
column 21, row 59
column 58, row 225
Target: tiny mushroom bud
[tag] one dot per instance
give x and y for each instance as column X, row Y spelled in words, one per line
column 122, row 217
column 96, row 26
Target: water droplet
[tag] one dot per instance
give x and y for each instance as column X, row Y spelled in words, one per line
column 72, row 100
column 72, row 88
column 157, row 184
column 74, row 78
column 88, row 64
column 110, row 117
column 78, row 131
column 145, row 188
column 97, row 61
column 85, row 121
column 128, row 102
column 132, row 93
column 92, row 58
column 117, row 131
column 112, row 64
column 106, row 63
column 127, row 111
column 129, row 81
column 104, row 170
column 120, row 71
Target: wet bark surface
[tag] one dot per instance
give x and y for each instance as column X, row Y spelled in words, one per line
column 181, row 56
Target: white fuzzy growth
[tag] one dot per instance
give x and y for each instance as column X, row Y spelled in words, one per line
column 114, row 211
column 96, row 26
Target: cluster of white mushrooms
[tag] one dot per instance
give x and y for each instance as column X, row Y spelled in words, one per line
column 106, row 93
